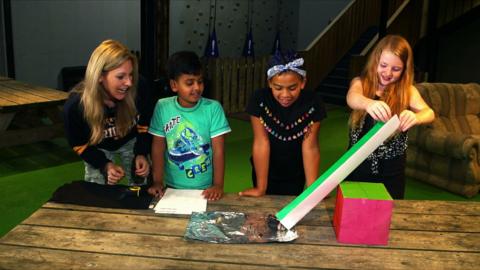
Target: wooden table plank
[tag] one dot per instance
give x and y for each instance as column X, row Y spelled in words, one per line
column 318, row 216
column 18, row 258
column 6, row 102
column 454, row 221
column 40, row 91
column 436, row 222
column 423, row 235
column 24, row 109
column 174, row 226
column 399, row 239
column 14, row 93
column 22, row 97
column 280, row 255
column 437, row 207
column 6, row 99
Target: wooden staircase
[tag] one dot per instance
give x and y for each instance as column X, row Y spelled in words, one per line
column 334, row 87
column 339, row 53
column 333, row 58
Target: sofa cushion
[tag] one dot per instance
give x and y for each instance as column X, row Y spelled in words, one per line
column 451, row 100
column 465, row 124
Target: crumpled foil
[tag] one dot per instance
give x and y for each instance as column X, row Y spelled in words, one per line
column 233, row 227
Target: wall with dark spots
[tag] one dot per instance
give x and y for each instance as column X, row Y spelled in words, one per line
column 191, row 22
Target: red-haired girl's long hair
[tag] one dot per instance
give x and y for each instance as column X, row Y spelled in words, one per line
column 397, row 94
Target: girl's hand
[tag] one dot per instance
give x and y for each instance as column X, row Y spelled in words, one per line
column 142, row 167
column 379, row 110
column 213, row 193
column 114, row 173
column 252, row 192
column 407, row 120
column 157, row 190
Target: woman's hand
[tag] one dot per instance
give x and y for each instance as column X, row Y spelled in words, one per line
column 142, row 167
column 252, row 192
column 114, row 173
column 408, row 119
column 379, row 110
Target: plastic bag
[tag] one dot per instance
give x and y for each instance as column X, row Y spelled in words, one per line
column 232, row 227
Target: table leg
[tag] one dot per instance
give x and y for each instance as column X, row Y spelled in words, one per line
column 30, row 125
column 5, row 120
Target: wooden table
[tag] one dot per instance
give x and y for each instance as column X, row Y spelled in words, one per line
column 424, row 235
column 28, row 113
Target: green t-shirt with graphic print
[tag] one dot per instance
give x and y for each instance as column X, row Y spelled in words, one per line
column 188, row 133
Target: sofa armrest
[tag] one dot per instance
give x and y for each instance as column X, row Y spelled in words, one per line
column 456, row 145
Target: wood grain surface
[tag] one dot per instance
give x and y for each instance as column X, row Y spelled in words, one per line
column 423, row 235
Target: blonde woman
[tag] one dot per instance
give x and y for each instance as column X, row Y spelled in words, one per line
column 384, row 89
column 106, row 116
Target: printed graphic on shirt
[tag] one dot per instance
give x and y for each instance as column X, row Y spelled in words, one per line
column 286, row 131
column 110, row 130
column 188, row 151
column 171, row 124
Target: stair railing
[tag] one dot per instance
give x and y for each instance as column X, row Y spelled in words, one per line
column 374, row 40
column 334, row 42
column 357, row 62
column 447, row 11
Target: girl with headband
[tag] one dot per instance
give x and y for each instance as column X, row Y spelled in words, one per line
column 285, row 121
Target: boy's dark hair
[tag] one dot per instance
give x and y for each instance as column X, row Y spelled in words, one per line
column 183, row 62
column 280, row 58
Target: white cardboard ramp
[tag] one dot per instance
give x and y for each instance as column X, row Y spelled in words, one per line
column 310, row 197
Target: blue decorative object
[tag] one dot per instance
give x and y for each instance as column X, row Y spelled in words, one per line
column 248, row 50
column 211, row 50
column 276, row 49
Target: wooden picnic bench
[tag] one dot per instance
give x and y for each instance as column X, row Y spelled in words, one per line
column 28, row 113
column 424, row 235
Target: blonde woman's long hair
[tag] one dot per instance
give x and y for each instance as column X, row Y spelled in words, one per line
column 397, row 94
column 109, row 55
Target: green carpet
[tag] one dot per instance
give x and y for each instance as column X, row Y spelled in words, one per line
column 21, row 194
column 30, row 173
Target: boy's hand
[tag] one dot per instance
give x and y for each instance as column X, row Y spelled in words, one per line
column 113, row 173
column 252, row 192
column 213, row 193
column 156, row 190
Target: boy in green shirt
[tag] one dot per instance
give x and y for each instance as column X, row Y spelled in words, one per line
column 188, row 141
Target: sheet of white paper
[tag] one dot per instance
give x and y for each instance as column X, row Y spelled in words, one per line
column 181, row 201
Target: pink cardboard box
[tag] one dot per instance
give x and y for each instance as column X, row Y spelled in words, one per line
column 363, row 213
